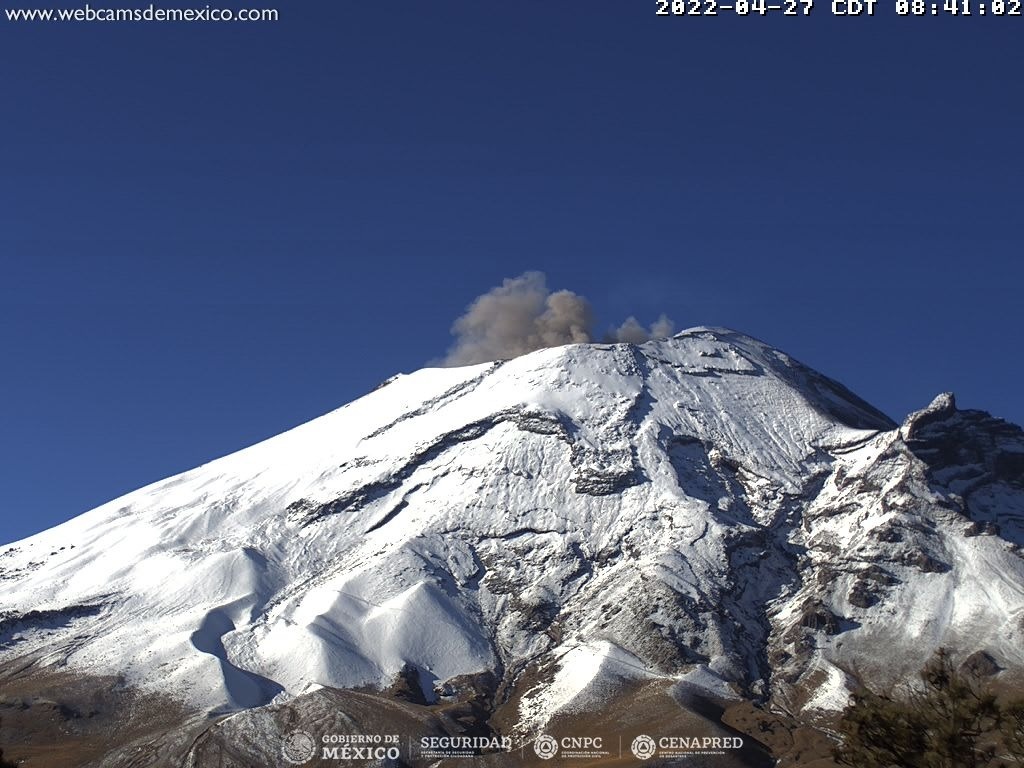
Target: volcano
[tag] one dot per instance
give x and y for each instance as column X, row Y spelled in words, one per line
column 600, row 540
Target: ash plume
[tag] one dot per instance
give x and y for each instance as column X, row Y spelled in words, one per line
column 631, row 331
column 522, row 315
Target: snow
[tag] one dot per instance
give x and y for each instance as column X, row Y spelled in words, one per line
column 584, row 676
column 588, row 507
column 834, row 693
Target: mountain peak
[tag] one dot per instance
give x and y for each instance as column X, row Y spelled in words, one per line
column 699, row 506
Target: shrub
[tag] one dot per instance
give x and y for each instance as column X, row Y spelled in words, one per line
column 949, row 720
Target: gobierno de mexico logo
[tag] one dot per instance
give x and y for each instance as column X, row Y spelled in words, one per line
column 298, row 747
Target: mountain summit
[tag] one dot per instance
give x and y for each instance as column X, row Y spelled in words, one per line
column 543, row 532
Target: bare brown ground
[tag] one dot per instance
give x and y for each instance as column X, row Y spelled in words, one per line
column 795, row 745
column 52, row 718
column 55, row 719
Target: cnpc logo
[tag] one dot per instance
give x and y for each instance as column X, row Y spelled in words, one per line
column 547, row 746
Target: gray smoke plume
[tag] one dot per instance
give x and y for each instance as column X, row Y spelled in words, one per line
column 631, row 331
column 522, row 315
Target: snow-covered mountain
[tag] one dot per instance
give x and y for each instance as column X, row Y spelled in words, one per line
column 701, row 508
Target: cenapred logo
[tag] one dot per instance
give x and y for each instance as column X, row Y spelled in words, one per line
column 643, row 747
column 298, row 747
column 545, row 746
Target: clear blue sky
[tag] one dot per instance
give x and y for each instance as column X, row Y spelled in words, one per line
column 211, row 233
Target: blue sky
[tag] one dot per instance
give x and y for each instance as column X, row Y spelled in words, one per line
column 211, row 233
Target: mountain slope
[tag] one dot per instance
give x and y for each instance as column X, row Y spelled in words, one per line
column 702, row 508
